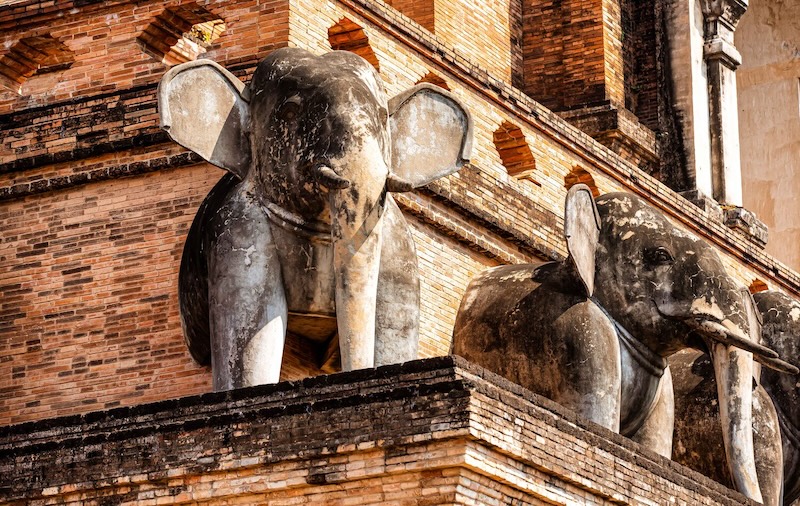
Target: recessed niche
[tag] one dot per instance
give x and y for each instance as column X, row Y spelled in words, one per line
column 346, row 35
column 181, row 34
column 432, row 78
column 580, row 175
column 32, row 56
column 509, row 140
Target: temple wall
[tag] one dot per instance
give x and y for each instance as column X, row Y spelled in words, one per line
column 769, row 121
column 95, row 203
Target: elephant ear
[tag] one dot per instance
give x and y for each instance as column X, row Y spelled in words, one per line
column 582, row 231
column 203, row 107
column 431, row 134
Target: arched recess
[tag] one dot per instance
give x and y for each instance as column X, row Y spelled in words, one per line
column 33, row 56
column 181, row 34
column 432, row 78
column 758, row 286
column 580, row 175
column 346, row 35
column 509, row 140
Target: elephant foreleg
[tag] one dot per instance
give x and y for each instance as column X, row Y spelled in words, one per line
column 397, row 307
column 590, row 365
column 768, row 448
column 247, row 302
column 357, row 262
column 656, row 431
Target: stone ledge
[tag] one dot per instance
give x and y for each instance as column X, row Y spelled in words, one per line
column 739, row 218
column 620, row 131
column 439, row 429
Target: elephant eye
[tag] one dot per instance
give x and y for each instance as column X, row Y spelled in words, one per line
column 658, row 256
column 290, row 109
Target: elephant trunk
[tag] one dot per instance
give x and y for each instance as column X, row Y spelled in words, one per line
column 712, row 306
column 733, row 369
column 356, row 184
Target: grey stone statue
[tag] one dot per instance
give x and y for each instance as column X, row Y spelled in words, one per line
column 776, row 407
column 302, row 231
column 593, row 332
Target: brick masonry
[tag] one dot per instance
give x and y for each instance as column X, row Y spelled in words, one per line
column 435, row 431
column 95, row 203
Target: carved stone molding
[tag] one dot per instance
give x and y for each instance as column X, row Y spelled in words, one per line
column 726, row 11
column 725, row 52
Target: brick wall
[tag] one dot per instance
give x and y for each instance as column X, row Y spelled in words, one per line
column 93, row 224
column 438, row 431
column 572, row 52
column 639, row 29
column 108, row 56
column 421, row 11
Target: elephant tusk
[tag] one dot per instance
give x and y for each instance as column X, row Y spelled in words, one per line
column 721, row 334
column 776, row 364
column 397, row 184
column 330, row 179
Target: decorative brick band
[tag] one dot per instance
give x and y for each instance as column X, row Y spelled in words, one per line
column 99, row 174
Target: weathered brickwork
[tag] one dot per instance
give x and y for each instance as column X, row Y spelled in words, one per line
column 89, row 257
column 572, row 52
column 108, row 56
column 437, row 431
column 421, row 11
column 89, row 293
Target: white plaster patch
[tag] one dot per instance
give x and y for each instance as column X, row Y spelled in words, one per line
column 735, row 329
column 519, row 275
column 367, row 75
column 702, row 306
column 247, row 252
column 795, row 313
column 623, row 203
column 628, row 235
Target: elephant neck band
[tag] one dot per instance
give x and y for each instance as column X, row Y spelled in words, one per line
column 288, row 220
column 644, row 356
column 788, row 428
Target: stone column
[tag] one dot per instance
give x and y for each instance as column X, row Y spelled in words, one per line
column 721, row 58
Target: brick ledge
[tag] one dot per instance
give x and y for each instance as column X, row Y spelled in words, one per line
column 391, row 409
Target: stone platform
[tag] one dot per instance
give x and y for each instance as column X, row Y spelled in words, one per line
column 434, row 431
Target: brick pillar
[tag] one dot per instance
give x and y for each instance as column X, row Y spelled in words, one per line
column 574, row 63
column 572, row 52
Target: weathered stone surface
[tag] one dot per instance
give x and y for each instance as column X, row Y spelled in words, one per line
column 748, row 223
column 776, row 412
column 304, row 225
column 426, row 432
column 601, row 352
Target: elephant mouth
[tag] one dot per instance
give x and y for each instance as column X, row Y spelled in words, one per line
column 312, row 229
column 717, row 330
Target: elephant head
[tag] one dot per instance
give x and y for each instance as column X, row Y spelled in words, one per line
column 593, row 332
column 669, row 288
column 312, row 147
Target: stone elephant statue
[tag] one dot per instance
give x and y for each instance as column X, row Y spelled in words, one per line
column 593, row 332
column 303, row 233
column 776, row 407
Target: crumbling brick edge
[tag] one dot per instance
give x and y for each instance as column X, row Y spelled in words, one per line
column 434, row 390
